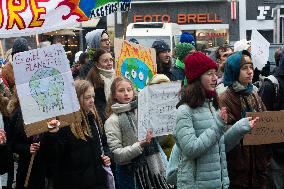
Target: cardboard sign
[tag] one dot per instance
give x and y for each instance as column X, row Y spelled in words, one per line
column 135, row 62
column 269, row 129
column 45, row 87
column 30, row 17
column 157, row 109
column 259, row 49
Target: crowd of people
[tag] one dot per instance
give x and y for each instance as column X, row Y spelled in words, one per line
column 205, row 150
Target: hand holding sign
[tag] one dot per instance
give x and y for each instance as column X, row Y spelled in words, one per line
column 148, row 138
column 252, row 121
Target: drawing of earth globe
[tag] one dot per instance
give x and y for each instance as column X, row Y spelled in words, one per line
column 46, row 88
column 136, row 71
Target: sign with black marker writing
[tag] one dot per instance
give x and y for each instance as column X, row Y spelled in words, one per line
column 269, row 129
column 157, row 109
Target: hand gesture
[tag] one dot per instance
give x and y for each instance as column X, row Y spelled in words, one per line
column 106, row 160
column 224, row 114
column 252, row 121
column 2, row 136
column 53, row 126
column 148, row 138
column 34, row 147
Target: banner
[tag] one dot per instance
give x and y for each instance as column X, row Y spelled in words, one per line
column 157, row 109
column 44, row 83
column 30, row 17
column 269, row 129
column 259, row 49
column 135, row 62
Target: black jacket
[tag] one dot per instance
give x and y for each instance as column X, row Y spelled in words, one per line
column 21, row 145
column 267, row 94
column 6, row 159
column 79, row 163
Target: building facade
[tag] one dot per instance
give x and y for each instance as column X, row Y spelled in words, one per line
column 267, row 16
column 210, row 22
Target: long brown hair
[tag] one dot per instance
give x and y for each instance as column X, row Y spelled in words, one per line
column 94, row 75
column 112, row 100
column 82, row 130
column 194, row 95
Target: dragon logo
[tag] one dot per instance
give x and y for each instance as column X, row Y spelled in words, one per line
column 80, row 8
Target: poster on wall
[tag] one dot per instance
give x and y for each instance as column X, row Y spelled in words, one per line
column 135, row 62
column 25, row 18
column 45, row 86
column 157, row 109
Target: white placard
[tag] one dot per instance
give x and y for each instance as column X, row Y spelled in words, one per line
column 157, row 109
column 44, row 82
column 259, row 49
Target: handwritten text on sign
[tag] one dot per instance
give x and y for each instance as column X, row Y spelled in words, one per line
column 44, row 82
column 269, row 129
column 157, row 109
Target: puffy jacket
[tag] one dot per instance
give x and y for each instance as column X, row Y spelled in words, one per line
column 200, row 135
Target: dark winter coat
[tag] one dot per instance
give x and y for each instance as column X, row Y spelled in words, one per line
column 79, row 163
column 272, row 103
column 247, row 165
column 6, row 159
column 84, row 70
column 100, row 102
column 21, row 145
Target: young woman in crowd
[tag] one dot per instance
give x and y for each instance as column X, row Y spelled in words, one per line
column 200, row 132
column 101, row 76
column 247, row 165
column 78, row 150
column 139, row 163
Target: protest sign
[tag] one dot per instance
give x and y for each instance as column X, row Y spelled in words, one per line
column 157, row 109
column 135, row 62
column 45, row 87
column 30, row 17
column 269, row 129
column 259, row 49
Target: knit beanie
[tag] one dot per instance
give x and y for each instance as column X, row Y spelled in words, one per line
column 160, row 46
column 187, row 38
column 197, row 64
column 241, row 45
column 182, row 49
column 20, row 45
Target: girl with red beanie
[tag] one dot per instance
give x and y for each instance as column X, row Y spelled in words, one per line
column 201, row 134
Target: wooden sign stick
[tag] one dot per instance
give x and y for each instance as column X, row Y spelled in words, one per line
column 29, row 170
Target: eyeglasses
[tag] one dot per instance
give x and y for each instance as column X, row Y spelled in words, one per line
column 105, row 40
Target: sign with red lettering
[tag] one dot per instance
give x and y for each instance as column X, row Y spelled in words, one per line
column 29, row 17
column 207, row 18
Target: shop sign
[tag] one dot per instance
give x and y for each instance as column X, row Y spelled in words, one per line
column 180, row 18
column 263, row 11
column 207, row 35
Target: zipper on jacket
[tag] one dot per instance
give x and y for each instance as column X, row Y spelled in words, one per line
column 210, row 107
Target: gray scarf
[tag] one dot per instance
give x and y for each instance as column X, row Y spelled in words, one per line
column 148, row 167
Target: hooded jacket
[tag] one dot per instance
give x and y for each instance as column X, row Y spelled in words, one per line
column 93, row 38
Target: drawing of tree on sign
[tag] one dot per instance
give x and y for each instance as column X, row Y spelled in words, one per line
column 46, row 87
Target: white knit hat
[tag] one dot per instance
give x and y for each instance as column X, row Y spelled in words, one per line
column 241, row 45
column 159, row 78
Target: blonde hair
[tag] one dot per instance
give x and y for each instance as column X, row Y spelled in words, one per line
column 112, row 100
column 81, row 130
